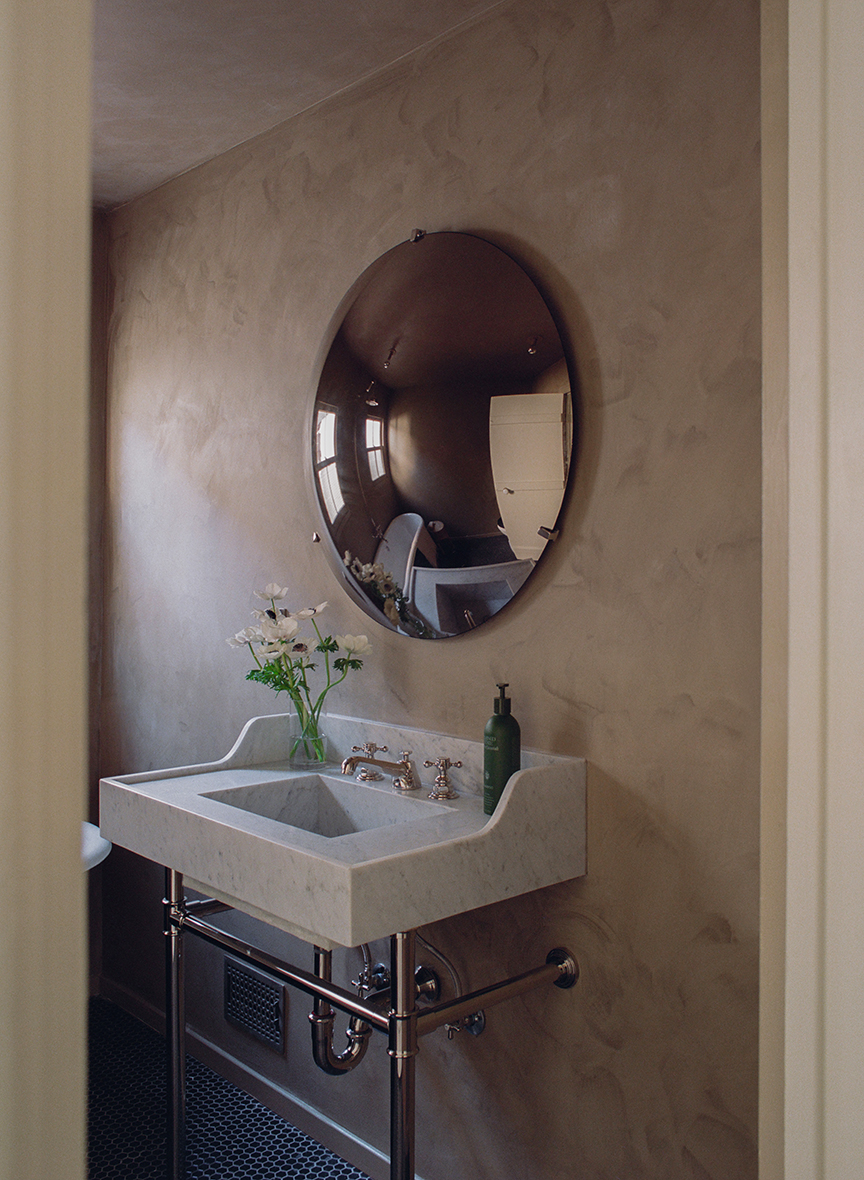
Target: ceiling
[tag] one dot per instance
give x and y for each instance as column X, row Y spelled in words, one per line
column 176, row 82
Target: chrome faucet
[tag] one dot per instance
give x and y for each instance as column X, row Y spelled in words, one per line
column 368, row 774
column 403, row 780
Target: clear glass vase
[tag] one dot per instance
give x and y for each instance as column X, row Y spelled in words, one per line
column 308, row 741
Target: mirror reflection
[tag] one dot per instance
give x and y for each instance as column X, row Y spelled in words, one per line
column 443, row 434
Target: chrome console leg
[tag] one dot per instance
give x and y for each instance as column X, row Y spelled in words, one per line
column 402, row 1050
column 175, row 1026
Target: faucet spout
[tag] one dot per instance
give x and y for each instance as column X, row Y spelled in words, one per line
column 403, row 770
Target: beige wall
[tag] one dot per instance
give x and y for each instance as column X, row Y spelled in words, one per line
column 614, row 150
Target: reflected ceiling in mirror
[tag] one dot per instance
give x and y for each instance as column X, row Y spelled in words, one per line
column 442, row 434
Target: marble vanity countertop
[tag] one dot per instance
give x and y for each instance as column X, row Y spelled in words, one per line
column 423, row 861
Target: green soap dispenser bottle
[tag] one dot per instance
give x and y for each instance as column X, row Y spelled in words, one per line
column 502, row 751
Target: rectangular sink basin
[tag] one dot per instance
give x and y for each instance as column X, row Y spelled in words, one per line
column 337, row 862
column 328, row 805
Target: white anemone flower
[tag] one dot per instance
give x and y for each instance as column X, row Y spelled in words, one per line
column 245, row 637
column 357, row 645
column 309, row 611
column 270, row 652
column 280, row 630
column 302, row 649
column 271, row 592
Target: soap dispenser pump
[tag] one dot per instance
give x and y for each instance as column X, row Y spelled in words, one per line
column 502, row 750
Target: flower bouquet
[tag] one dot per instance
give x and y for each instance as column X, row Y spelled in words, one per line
column 284, row 659
column 381, row 587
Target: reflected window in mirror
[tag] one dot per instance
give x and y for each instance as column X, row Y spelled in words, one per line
column 326, row 469
column 375, row 447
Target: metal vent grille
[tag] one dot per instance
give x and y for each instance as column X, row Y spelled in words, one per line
column 255, row 1003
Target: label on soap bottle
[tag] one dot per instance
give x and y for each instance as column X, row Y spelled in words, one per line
column 501, row 757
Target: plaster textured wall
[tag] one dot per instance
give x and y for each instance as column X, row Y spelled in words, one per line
column 613, row 149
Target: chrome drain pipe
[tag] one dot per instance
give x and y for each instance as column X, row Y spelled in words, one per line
column 322, row 1018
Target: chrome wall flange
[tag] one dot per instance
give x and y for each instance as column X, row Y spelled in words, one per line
column 428, row 983
column 474, row 1023
column 566, row 964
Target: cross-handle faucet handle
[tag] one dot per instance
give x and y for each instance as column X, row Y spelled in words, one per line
column 369, row 749
column 405, row 781
column 443, row 788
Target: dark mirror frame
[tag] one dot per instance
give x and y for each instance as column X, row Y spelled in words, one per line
column 443, row 430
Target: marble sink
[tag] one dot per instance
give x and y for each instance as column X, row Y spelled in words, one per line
column 328, row 805
column 337, row 862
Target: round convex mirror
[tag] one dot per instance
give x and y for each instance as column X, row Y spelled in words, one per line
column 442, row 434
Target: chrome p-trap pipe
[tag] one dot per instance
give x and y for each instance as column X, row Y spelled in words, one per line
column 321, row 1018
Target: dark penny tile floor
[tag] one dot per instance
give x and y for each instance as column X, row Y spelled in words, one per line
column 229, row 1135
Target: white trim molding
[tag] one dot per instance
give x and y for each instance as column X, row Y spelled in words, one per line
column 44, row 294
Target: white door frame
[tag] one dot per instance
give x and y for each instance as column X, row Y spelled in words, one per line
column 812, row 1063
column 44, row 294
